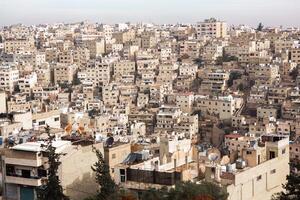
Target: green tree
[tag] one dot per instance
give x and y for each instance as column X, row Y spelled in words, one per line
column 199, row 61
column 294, row 73
column 187, row 191
column 108, row 188
column 52, row 190
column 292, row 187
column 191, row 191
column 152, row 194
column 233, row 76
column 225, row 58
column 241, row 87
column 260, row 27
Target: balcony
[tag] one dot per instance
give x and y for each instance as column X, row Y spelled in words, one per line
column 24, row 181
column 25, row 162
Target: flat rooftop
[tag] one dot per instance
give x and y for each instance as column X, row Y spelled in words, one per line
column 37, row 146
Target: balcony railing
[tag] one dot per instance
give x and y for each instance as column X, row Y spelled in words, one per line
column 33, row 181
column 25, row 162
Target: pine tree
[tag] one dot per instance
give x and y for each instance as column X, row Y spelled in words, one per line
column 260, row 27
column 292, row 187
column 52, row 190
column 108, row 188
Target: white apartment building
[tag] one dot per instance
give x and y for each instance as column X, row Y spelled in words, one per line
column 167, row 117
column 188, row 70
column 27, row 83
column 9, row 76
column 223, row 107
column 215, row 81
column 50, row 118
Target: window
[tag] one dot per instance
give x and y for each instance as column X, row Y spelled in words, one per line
column 113, row 156
column 258, row 178
column 249, row 152
column 283, row 151
column 271, row 154
column 122, row 175
column 273, row 171
column 56, row 119
column 25, row 173
column 42, row 173
column 42, row 123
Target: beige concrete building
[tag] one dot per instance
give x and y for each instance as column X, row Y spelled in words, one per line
column 50, row 118
column 14, row 45
column 295, row 150
column 64, row 73
column 97, row 73
column 185, row 102
column 212, row 28
column 115, row 154
column 124, row 67
column 25, row 168
column 261, row 171
column 295, row 55
column 26, row 83
column 96, row 47
column 18, row 103
column 215, row 81
column 3, row 107
column 188, row 70
column 110, row 94
column 222, row 107
column 167, row 117
column 167, row 73
column 266, row 112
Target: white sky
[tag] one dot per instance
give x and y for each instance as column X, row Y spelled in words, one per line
column 269, row 12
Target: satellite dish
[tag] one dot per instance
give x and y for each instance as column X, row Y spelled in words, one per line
column 110, row 141
column 214, row 155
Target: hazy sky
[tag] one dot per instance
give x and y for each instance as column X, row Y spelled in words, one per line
column 270, row 12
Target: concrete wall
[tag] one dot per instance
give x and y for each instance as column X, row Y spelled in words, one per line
column 76, row 175
column 260, row 182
